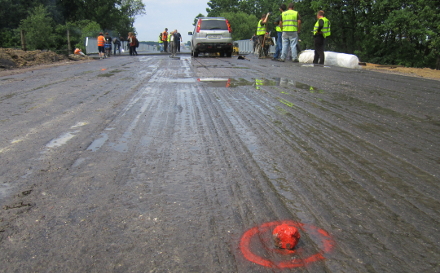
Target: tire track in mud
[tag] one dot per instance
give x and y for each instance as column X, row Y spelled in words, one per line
column 250, row 185
column 352, row 164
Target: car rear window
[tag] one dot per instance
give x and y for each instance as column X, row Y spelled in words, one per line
column 213, row 24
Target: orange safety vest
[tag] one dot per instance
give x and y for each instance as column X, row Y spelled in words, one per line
column 165, row 36
column 101, row 40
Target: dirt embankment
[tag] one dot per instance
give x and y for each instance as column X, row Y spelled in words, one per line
column 14, row 60
column 410, row 71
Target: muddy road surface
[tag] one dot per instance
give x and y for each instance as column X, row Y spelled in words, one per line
column 153, row 164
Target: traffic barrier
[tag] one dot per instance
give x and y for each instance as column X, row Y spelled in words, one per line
column 331, row 58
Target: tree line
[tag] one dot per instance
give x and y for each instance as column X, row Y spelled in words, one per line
column 398, row 32
column 46, row 22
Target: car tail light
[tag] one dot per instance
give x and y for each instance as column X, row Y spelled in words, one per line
column 229, row 26
column 199, row 22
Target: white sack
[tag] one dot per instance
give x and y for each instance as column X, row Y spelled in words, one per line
column 331, row 58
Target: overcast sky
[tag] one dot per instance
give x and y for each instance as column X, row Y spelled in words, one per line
column 171, row 14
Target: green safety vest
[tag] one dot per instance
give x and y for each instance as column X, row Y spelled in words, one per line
column 325, row 29
column 278, row 29
column 261, row 29
column 258, row 83
column 290, row 20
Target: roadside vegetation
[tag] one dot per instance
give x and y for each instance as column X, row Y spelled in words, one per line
column 47, row 23
column 383, row 32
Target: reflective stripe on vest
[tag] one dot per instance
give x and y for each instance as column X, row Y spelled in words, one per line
column 290, row 20
column 101, row 40
column 261, row 29
column 278, row 29
column 325, row 29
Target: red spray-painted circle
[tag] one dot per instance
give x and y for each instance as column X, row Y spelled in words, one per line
column 326, row 242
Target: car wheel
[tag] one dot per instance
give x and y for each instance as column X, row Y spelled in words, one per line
column 195, row 54
column 222, row 54
column 229, row 54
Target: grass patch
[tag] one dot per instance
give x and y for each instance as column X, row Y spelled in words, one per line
column 106, row 75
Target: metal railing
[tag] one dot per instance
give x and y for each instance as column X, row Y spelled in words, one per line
column 91, row 44
column 247, row 46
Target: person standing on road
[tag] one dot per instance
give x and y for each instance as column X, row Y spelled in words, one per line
column 254, row 39
column 291, row 26
column 160, row 43
column 101, row 43
column 178, row 40
column 108, row 45
column 261, row 31
column 131, row 43
column 279, row 46
column 165, row 40
column 117, row 44
column 172, row 44
column 136, row 44
column 320, row 32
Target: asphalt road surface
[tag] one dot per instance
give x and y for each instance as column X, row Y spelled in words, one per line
column 158, row 164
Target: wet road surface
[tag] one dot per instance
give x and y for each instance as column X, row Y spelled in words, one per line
column 153, row 164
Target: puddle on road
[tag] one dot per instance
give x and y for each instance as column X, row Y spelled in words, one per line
column 97, row 143
column 257, row 83
column 4, row 189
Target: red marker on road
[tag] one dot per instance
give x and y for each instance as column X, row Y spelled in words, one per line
column 260, row 251
column 285, row 236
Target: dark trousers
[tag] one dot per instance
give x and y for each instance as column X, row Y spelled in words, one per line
column 279, row 46
column 118, row 47
column 165, row 46
column 133, row 51
column 319, row 49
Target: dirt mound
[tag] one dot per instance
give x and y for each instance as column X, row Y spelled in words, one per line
column 12, row 58
column 408, row 71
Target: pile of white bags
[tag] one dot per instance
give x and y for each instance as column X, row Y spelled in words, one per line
column 331, row 58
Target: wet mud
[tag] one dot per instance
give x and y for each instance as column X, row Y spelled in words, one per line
column 153, row 164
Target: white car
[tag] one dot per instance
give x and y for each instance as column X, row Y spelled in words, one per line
column 211, row 35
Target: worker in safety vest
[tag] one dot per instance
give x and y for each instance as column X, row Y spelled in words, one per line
column 291, row 26
column 279, row 31
column 320, row 32
column 101, row 43
column 160, row 43
column 261, row 30
column 165, row 40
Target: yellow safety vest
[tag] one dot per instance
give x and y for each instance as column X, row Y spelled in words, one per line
column 258, row 83
column 261, row 29
column 290, row 20
column 325, row 29
column 278, row 29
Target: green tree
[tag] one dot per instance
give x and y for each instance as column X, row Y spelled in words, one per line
column 196, row 18
column 39, row 29
column 243, row 25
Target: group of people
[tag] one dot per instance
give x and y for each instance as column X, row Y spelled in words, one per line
column 170, row 42
column 288, row 26
column 105, row 44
